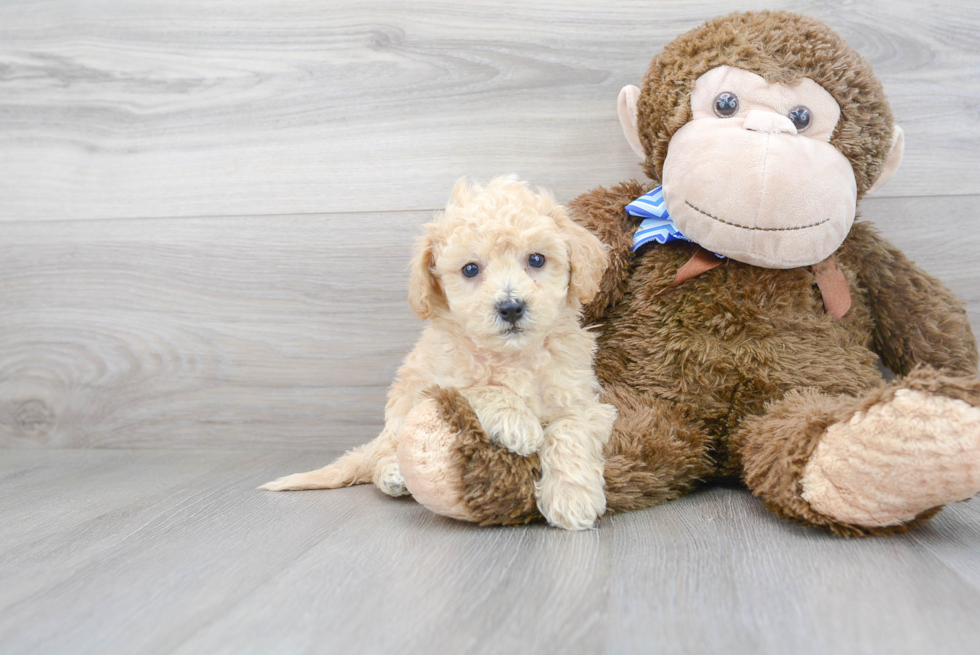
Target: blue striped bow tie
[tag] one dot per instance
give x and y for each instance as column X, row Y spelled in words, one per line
column 657, row 224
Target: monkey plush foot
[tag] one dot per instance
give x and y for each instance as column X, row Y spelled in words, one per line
column 428, row 465
column 453, row 468
column 913, row 451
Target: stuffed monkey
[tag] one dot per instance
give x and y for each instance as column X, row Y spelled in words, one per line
column 743, row 341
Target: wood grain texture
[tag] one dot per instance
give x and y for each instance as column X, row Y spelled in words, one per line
column 260, row 332
column 200, row 332
column 242, row 107
column 176, row 552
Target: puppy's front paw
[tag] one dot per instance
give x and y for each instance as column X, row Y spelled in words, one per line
column 506, row 419
column 570, row 505
column 521, row 434
column 388, row 478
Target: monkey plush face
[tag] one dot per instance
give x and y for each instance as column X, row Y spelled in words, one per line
column 764, row 129
column 753, row 175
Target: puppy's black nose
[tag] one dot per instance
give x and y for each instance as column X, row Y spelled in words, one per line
column 511, row 310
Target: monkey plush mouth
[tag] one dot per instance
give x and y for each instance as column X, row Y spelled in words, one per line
column 761, row 229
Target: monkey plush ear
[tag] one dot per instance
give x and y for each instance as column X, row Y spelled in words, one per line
column 424, row 293
column 628, row 98
column 894, row 159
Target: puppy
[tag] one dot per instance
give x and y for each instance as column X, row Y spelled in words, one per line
column 502, row 274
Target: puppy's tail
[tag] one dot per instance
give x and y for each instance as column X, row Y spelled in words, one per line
column 353, row 467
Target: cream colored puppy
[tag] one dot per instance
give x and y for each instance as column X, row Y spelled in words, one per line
column 502, row 274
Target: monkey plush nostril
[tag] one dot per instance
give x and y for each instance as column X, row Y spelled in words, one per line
column 511, row 310
column 767, row 121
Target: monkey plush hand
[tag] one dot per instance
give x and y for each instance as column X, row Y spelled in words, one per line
column 764, row 131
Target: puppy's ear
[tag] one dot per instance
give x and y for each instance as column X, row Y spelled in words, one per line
column 463, row 192
column 587, row 256
column 424, row 293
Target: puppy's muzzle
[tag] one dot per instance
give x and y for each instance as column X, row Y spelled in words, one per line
column 511, row 310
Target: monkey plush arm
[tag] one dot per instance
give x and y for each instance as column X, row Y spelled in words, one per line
column 917, row 320
column 602, row 211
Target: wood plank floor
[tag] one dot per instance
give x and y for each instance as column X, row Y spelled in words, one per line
column 121, row 551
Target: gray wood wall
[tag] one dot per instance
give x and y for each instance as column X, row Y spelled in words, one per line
column 206, row 209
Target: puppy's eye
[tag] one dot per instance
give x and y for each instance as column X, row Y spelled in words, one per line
column 471, row 270
column 726, row 104
column 800, row 117
column 536, row 260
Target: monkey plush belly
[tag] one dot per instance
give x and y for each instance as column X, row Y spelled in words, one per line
column 726, row 342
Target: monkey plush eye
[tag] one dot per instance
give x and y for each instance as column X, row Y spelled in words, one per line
column 536, row 260
column 800, row 117
column 471, row 270
column 726, row 104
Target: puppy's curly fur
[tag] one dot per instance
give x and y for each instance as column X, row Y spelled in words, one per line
column 527, row 373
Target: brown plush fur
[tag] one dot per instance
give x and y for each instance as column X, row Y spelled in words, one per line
column 917, row 320
column 657, row 451
column 739, row 371
column 498, row 486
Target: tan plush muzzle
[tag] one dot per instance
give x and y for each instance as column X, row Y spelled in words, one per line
column 769, row 198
